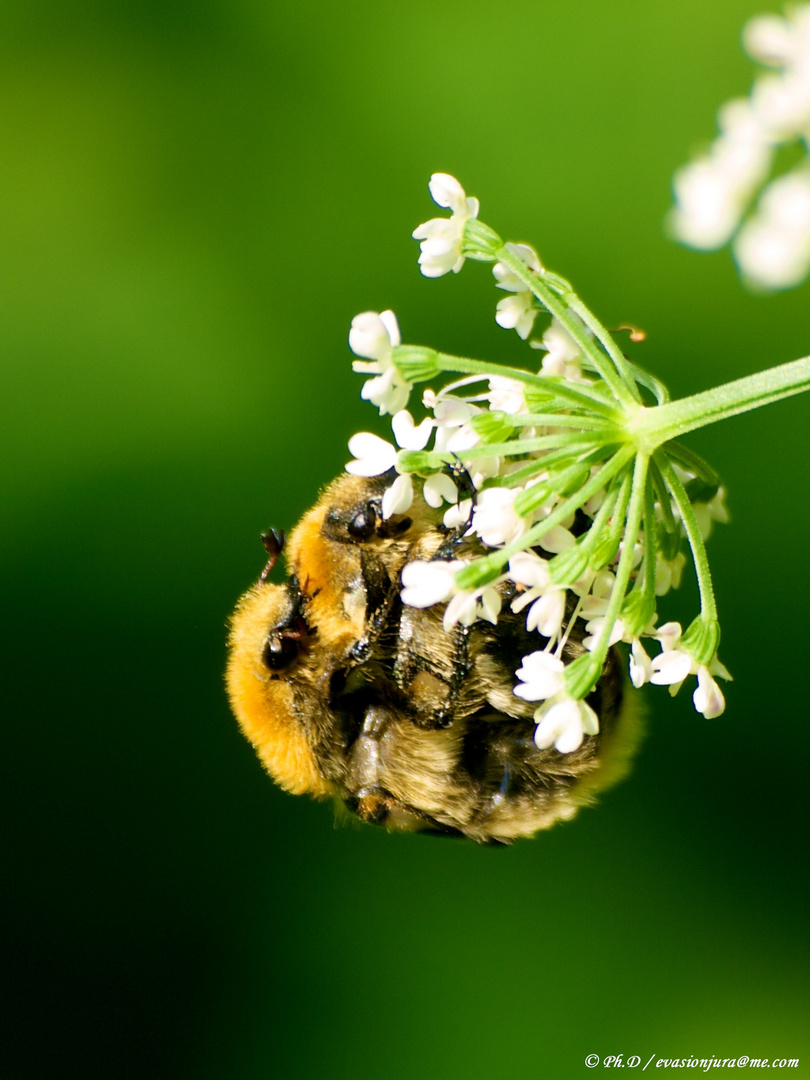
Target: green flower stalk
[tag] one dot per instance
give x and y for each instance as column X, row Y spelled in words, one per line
column 568, row 474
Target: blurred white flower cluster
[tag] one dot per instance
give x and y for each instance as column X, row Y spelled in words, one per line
column 553, row 514
column 721, row 196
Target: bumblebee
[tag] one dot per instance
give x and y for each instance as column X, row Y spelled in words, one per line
column 347, row 693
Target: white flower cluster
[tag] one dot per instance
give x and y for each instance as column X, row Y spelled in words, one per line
column 714, row 193
column 562, row 554
column 560, row 517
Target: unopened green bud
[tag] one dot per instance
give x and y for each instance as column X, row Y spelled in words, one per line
column 702, row 639
column 480, row 572
column 582, row 675
column 493, row 427
column 605, row 549
column 419, row 461
column 638, row 611
column 700, row 491
column 560, row 285
column 572, row 484
column 537, row 400
column 480, row 242
column 416, row 363
column 669, row 543
column 532, row 499
column 569, row 566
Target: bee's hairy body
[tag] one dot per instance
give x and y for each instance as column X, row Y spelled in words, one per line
column 345, row 691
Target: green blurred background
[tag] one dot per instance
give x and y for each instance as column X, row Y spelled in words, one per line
column 195, row 199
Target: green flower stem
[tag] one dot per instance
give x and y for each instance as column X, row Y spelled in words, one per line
column 606, row 548
column 650, row 547
column 600, row 521
column 560, row 310
column 634, row 514
column 560, row 483
column 581, row 423
column 670, row 524
column 496, row 560
column 573, row 446
column 652, row 427
column 620, row 362
column 516, row 447
column 562, row 456
column 579, row 396
column 708, row 607
column 649, row 382
column 692, row 461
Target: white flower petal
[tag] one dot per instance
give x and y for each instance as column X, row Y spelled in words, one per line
column 542, row 677
column 640, row 664
column 556, row 540
column 529, row 569
column 546, row 614
column 446, row 191
column 369, row 335
column 398, row 498
column 427, row 583
column 439, row 488
column 389, row 321
column 374, row 455
column 669, row 668
column 407, row 434
column 708, row 698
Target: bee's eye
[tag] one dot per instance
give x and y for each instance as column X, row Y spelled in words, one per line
column 363, row 524
column 279, row 651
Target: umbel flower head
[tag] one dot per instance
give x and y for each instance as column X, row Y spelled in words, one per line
column 726, row 193
column 578, row 506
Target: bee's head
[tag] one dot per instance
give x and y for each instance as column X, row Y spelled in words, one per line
column 269, row 682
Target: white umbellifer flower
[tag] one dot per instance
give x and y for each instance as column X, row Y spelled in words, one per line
column 374, row 336
column 595, row 627
column 773, row 248
column 670, row 668
column 517, row 312
column 470, row 604
column 442, row 237
column 450, row 411
column 563, row 355
column 530, row 570
column 596, row 603
column 707, row 513
column 376, row 456
column 542, row 676
column 777, row 42
column 454, row 433
column 708, row 698
column 547, row 611
column 373, row 455
column 494, row 517
column 564, row 724
column 668, row 573
column 458, row 515
column 506, row 395
column 640, row 664
column 709, row 205
column 506, row 278
column 557, row 539
column 674, row 664
column 428, row 583
column 547, row 614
